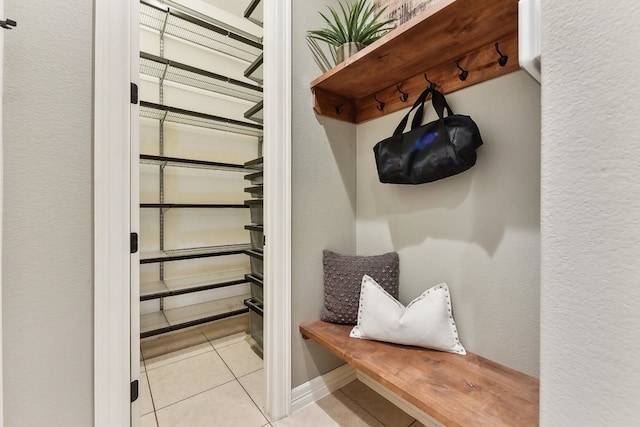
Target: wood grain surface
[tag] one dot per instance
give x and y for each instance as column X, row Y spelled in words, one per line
column 450, row 30
column 455, row 390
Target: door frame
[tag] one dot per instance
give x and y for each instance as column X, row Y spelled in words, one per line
column 277, row 206
column 1, row 210
column 112, row 210
column 111, row 213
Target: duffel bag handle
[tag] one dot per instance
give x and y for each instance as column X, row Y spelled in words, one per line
column 419, row 102
column 439, row 104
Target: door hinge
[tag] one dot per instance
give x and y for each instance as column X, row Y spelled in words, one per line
column 134, row 93
column 7, row 24
column 134, row 242
column 134, row 391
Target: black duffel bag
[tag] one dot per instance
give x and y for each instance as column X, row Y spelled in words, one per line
column 429, row 152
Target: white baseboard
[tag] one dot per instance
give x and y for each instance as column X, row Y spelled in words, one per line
column 326, row 384
column 321, row 386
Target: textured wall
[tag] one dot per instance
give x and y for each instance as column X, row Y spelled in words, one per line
column 590, row 369
column 47, row 273
column 323, row 197
column 478, row 231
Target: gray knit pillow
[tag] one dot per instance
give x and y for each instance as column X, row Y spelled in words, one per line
column 343, row 280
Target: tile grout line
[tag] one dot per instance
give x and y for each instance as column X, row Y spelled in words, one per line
column 252, row 399
column 255, row 404
column 153, row 404
column 235, row 378
column 197, row 394
column 413, row 420
column 144, row 341
column 358, row 405
column 227, row 365
column 180, row 360
column 144, row 361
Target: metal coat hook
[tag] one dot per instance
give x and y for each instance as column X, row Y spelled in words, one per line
column 380, row 105
column 404, row 97
column 339, row 109
column 432, row 85
column 8, row 23
column 463, row 73
column 503, row 58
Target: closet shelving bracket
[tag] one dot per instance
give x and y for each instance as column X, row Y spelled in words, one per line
column 192, row 253
column 170, row 20
column 184, row 285
column 150, row 159
column 254, row 12
column 184, row 317
column 193, row 118
column 177, row 72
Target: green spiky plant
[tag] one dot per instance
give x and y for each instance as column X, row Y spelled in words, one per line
column 355, row 22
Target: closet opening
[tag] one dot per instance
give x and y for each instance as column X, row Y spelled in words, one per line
column 200, row 208
column 120, row 131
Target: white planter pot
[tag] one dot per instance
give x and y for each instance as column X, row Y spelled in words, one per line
column 346, row 50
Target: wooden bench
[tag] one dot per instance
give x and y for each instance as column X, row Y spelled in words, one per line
column 452, row 389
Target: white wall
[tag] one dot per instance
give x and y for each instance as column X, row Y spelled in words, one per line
column 236, row 8
column 47, row 277
column 478, row 231
column 590, row 368
column 323, row 198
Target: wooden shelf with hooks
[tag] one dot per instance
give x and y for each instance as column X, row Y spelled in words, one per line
column 449, row 33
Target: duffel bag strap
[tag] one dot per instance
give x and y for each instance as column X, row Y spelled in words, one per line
column 419, row 102
column 440, row 104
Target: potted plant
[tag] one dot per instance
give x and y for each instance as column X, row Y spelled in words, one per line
column 353, row 27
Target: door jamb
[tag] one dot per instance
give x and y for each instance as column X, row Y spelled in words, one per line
column 1, row 214
column 111, row 212
column 277, row 206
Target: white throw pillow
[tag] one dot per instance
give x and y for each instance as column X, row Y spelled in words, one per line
column 426, row 322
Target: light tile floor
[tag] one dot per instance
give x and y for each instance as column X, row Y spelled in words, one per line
column 211, row 375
